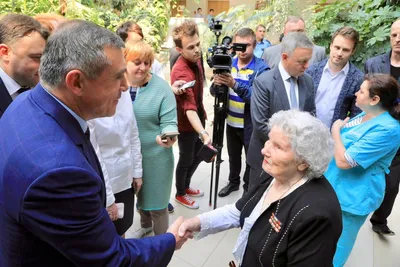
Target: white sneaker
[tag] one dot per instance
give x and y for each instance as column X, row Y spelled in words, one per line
column 142, row 232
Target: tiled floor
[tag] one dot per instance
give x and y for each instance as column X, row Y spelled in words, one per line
column 370, row 250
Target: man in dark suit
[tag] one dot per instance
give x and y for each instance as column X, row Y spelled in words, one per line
column 272, row 54
column 22, row 41
column 337, row 79
column 52, row 192
column 283, row 88
column 388, row 63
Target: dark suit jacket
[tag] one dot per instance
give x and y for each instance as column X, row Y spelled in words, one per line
column 52, row 195
column 346, row 100
column 268, row 97
column 5, row 98
column 378, row 64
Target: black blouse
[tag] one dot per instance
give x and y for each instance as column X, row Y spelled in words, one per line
column 310, row 222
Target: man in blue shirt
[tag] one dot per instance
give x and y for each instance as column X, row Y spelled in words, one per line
column 210, row 17
column 337, row 79
column 261, row 42
column 245, row 67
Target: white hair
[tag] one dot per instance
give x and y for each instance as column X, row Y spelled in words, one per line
column 310, row 139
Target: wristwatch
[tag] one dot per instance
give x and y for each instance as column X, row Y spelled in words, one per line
column 201, row 134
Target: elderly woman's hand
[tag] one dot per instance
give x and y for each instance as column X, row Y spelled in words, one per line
column 167, row 143
column 189, row 226
column 339, row 124
column 176, row 86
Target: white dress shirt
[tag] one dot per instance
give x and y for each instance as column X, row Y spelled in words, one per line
column 11, row 85
column 286, row 81
column 157, row 69
column 117, row 145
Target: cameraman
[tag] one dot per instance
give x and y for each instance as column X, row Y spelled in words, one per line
column 245, row 67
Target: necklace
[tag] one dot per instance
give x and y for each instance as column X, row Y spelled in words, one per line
column 283, row 194
column 276, row 224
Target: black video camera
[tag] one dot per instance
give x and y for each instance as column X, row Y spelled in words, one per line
column 221, row 54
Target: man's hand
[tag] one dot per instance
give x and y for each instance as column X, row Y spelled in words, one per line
column 174, row 228
column 167, row 144
column 224, row 79
column 175, row 87
column 189, row 226
column 137, row 184
column 113, row 212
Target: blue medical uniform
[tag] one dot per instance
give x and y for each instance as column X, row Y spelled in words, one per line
column 360, row 190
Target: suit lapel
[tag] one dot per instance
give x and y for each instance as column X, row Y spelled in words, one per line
column 280, row 89
column 385, row 67
column 68, row 123
column 5, row 98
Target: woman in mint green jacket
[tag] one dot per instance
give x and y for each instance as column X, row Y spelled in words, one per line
column 155, row 111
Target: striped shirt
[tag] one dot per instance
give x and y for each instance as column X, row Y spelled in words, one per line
column 236, row 104
column 352, row 123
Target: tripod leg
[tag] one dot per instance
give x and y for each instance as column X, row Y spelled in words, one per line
column 211, row 183
column 217, row 168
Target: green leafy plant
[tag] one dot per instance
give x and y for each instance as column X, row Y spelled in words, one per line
column 151, row 15
column 371, row 18
column 272, row 16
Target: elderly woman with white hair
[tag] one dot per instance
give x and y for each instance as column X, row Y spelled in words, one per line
column 293, row 219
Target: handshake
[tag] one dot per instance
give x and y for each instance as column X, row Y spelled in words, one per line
column 184, row 229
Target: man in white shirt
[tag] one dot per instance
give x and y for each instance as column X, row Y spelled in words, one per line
column 337, row 79
column 199, row 14
column 22, row 42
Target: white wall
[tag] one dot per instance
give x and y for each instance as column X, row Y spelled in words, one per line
column 251, row 3
column 193, row 6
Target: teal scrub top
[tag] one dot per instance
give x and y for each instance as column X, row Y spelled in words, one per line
column 373, row 145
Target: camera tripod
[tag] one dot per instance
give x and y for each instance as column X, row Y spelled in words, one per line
column 220, row 112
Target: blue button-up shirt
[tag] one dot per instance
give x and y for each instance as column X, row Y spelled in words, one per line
column 259, row 50
column 328, row 92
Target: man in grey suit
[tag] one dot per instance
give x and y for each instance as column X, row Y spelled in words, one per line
column 293, row 24
column 388, row 63
column 283, row 88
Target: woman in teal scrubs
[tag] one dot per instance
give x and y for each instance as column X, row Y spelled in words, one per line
column 364, row 149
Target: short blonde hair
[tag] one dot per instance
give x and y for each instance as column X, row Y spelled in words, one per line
column 138, row 50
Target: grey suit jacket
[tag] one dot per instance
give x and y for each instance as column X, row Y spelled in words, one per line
column 272, row 55
column 268, row 97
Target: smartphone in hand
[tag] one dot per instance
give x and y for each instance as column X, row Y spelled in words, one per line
column 187, row 85
column 170, row 135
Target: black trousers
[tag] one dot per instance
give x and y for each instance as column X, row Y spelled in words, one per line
column 128, row 198
column 392, row 188
column 235, row 144
column 189, row 145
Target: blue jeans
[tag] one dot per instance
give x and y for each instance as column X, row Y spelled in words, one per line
column 351, row 225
